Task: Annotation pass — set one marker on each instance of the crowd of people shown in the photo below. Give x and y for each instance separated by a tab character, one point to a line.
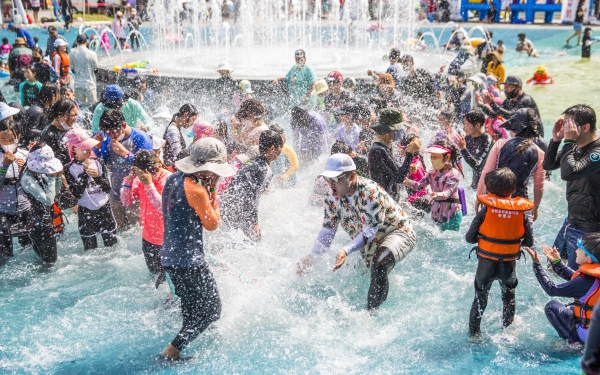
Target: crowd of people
113	171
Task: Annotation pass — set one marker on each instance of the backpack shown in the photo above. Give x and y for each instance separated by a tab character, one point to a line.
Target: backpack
23	60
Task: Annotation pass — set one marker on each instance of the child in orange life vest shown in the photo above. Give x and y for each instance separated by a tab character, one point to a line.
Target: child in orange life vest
444	180
500	228
540	76
572	322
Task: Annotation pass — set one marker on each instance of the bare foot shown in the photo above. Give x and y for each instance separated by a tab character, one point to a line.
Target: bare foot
171	352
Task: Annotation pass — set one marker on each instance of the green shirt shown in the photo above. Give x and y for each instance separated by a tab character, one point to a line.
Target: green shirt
132	111
298	82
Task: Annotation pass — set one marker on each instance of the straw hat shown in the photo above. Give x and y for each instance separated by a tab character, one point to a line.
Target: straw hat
320	87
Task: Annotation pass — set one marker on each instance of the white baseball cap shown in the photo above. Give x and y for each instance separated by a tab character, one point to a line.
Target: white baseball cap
59	42
338	164
6	111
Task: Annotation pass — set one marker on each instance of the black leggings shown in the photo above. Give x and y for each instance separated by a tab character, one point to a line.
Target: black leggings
90	243
200	302
381	264
487	271
44	242
152	256
13	225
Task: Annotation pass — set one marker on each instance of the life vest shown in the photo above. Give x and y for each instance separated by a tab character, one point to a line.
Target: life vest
540	77
503	227
65	63
58	220
583	307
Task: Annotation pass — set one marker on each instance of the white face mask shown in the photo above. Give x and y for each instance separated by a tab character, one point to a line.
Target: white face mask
247	123
10	148
65	126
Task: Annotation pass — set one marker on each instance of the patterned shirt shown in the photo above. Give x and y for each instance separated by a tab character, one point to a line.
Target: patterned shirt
369	206
445	183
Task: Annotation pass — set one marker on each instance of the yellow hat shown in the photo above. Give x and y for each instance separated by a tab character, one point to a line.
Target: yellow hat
541	69
320	87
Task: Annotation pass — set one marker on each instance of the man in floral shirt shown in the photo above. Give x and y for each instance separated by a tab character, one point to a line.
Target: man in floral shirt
374	221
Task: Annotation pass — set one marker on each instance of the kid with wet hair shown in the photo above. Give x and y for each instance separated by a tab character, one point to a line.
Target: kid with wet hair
500	228
571	321
87	177
444	180
30	88
145	184
286	165
175	142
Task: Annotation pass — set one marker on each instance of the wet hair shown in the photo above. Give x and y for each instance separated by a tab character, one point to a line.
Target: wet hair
453	155
300	118
378	103
111	119
38	50
475	116
237	147
148	161
447	114
361	111
10	125
501	182
48	91
250	107
64	90
221	128
269	139
133	94
186	109
340	147
277	129
591	241
60	108
521	35
31	68
500	42
5	40
490	33
582	114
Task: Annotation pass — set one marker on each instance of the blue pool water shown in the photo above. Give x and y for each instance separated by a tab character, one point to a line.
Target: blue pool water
97	312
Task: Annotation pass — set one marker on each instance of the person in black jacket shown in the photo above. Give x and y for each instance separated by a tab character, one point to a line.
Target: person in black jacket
64	113
38	114
579	163
515	100
383	169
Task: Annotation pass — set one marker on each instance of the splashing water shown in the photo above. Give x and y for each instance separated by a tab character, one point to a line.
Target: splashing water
98	312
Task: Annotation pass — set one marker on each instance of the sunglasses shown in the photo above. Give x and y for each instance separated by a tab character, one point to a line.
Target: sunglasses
334	179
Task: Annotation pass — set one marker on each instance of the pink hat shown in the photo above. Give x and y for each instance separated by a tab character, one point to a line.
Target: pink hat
80	139
203	129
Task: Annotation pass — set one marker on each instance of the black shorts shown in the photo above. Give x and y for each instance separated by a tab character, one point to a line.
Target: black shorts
35	9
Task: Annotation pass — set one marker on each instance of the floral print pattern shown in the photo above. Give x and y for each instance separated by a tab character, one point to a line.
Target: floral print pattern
370	206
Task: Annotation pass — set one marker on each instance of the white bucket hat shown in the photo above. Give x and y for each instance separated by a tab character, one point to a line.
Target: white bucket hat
6	111
225	66
206	154
338	164
43	161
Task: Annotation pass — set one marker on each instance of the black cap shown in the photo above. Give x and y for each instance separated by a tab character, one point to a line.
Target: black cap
513	80
81	39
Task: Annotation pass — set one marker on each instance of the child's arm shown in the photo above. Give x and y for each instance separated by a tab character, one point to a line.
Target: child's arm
129	191
78	184
418	185
490	165
473	233
21	96
572	289
290	154
102	180
450	187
